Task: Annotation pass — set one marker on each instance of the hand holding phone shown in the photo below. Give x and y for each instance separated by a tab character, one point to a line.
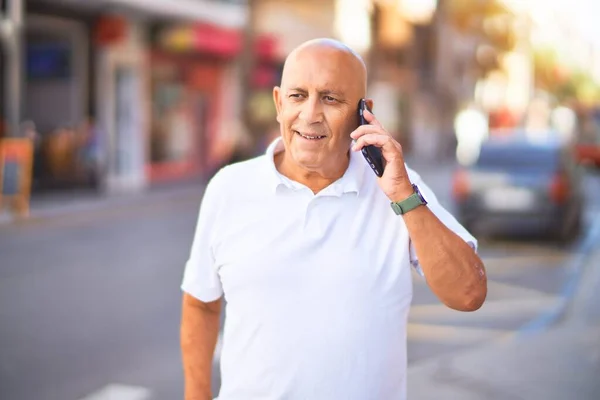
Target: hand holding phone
371	153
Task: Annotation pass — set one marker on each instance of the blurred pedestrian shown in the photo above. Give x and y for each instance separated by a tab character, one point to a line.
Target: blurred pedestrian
29	130
92	152
311	259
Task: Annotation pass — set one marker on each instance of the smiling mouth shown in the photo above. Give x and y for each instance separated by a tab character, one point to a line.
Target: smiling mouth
310	137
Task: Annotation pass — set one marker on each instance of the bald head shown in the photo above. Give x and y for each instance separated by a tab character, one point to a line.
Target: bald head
317	109
328	44
329	52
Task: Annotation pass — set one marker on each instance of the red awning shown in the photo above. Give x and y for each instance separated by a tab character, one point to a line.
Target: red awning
214	40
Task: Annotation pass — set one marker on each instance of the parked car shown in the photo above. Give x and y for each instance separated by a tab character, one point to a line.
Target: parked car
519	186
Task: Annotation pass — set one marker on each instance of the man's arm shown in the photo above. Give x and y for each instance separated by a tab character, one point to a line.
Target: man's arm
453	270
199	332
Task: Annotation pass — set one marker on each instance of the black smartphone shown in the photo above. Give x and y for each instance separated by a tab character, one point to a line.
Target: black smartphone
371	153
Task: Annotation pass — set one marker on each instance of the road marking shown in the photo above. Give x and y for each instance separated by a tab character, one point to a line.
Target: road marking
500	290
577	263
554	259
511	265
444	334
490	311
116	391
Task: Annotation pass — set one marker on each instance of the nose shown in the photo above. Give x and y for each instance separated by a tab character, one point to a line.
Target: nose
312	111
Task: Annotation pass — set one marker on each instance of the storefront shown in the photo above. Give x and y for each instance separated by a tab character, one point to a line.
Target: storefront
194	82
108	106
56	107
84	81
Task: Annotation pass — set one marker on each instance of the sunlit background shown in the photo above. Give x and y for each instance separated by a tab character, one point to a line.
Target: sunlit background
115	113
124	94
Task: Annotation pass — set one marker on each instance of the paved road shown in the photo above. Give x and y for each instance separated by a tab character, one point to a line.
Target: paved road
92	299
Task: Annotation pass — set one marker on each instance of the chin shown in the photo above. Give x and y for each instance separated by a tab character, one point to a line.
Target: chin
306	160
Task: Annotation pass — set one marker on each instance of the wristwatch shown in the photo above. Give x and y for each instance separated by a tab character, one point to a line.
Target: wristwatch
410	203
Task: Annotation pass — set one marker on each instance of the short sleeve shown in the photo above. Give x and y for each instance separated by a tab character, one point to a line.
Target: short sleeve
442	214
201	279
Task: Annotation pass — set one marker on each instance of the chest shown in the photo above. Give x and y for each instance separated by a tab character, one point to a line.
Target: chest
297	248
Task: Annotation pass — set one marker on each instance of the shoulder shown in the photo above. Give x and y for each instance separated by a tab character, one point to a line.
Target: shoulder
238	177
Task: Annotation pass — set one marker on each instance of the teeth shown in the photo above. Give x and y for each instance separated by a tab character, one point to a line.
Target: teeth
311	137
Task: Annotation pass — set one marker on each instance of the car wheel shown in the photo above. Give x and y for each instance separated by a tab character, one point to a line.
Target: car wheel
577	226
570	232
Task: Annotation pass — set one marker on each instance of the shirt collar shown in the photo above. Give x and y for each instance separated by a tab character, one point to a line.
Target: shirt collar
350	182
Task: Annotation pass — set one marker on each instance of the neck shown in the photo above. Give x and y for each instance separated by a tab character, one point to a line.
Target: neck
315	180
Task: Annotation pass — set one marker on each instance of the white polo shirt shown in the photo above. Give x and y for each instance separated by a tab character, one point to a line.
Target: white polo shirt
317	287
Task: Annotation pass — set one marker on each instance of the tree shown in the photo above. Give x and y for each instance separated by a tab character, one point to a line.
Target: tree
490	22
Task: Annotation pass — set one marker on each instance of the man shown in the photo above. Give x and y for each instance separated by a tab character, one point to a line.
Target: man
313	262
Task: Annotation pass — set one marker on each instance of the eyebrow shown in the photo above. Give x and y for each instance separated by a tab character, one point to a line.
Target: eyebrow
321	92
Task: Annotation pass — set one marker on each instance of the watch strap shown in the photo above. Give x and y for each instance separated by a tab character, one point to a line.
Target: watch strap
410	203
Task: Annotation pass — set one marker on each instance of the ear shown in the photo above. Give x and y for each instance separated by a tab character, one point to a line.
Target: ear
277	100
369	103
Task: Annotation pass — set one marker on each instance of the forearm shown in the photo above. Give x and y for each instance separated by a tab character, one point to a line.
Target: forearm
199	332
453	270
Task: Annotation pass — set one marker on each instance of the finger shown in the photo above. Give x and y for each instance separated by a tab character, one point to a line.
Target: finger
370	118
367	129
391	150
374	139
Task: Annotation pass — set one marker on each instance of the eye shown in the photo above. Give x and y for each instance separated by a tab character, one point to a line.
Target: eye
295	95
330	99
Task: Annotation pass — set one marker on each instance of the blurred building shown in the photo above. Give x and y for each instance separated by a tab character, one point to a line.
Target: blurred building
422	71
131	92
396	38
127	93
195	89
555	63
291	22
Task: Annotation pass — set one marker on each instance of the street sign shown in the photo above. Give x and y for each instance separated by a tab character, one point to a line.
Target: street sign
16	159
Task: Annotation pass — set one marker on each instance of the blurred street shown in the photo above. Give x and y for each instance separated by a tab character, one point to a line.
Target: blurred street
90	305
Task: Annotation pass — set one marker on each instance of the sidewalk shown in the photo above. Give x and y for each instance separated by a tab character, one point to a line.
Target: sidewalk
558	364
81	202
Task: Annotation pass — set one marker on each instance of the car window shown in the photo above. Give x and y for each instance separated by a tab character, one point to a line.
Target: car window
518	158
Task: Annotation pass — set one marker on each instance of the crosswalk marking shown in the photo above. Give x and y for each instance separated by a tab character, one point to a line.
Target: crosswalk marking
120	392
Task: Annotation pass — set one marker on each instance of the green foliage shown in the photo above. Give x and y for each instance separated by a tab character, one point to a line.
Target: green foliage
567	84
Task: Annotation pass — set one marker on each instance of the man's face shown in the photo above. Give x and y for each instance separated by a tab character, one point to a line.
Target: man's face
316	108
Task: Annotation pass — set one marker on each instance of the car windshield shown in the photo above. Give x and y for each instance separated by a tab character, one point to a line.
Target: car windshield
517	157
